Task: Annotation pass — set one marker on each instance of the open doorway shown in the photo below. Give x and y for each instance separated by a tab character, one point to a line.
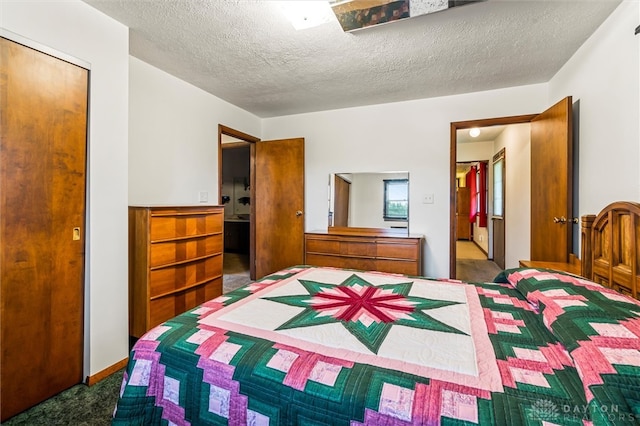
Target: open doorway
538	209
235	194
473	260
473	194
275	199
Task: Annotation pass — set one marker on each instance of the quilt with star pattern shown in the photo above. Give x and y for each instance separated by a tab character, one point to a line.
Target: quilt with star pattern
326	346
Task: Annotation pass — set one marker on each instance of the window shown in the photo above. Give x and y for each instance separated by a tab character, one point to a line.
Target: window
396	199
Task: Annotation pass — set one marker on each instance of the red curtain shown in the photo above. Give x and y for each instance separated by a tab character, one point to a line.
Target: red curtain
477	183
471	183
482	213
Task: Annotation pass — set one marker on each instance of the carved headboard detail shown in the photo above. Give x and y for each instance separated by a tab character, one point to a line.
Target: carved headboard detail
610	245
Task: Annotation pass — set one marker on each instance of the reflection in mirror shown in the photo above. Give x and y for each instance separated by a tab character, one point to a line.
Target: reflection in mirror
369	200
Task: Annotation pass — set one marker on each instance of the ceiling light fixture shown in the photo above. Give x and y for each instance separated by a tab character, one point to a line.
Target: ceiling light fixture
307	14
474	132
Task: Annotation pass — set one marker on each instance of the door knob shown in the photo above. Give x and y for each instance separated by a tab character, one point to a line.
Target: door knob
560	219
299	213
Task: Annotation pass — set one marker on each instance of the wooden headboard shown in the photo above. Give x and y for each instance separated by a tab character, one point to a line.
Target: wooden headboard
610	247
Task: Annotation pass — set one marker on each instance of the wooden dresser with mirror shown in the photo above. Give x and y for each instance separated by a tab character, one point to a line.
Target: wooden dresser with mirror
368	225
379	249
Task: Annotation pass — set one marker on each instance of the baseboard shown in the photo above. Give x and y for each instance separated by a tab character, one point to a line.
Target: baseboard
481	249
92	380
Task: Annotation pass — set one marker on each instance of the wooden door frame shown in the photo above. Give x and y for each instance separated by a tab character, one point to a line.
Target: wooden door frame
246	139
500	155
454	127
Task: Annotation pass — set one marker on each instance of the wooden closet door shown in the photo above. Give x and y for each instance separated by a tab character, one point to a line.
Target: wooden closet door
43	122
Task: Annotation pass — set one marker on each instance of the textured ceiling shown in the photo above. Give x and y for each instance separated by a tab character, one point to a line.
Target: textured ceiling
247	53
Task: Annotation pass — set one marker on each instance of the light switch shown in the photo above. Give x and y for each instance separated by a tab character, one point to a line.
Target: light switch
428	199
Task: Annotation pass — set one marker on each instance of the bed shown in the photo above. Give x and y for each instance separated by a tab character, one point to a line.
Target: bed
327	346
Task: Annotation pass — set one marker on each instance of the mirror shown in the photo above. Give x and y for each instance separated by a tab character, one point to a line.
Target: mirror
369	200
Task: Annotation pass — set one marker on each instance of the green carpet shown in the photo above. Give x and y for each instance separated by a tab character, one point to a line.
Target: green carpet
79	405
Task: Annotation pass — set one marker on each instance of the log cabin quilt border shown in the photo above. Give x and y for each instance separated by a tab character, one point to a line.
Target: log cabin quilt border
311	346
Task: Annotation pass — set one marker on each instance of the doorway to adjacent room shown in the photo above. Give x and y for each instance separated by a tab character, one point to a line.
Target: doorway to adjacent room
269	196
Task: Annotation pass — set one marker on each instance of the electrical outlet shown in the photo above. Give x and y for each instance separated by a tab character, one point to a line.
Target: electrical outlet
427	199
203	196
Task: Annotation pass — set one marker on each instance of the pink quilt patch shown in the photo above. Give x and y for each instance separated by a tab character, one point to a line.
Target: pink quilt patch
612	330
529	377
396	401
282	360
459	406
325	373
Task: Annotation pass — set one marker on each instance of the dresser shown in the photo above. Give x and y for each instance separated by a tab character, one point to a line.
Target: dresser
378	249
175	261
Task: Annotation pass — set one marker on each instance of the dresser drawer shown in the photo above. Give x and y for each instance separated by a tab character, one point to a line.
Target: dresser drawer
175	251
406	267
397	250
322	246
367	264
168	279
358	248
168	226
167	307
345	247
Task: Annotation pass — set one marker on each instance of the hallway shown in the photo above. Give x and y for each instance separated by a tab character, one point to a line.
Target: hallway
472	264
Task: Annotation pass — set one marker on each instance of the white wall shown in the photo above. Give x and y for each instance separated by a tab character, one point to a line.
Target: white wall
412	136
603	77
516	139
474	151
173	137
76	29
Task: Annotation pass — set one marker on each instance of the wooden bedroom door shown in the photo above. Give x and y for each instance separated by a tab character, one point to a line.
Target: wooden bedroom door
43	121
551	183
342	190
278	180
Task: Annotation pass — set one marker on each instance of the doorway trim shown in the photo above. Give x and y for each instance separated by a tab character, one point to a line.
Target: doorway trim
44	49
500	156
454	127
245	139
